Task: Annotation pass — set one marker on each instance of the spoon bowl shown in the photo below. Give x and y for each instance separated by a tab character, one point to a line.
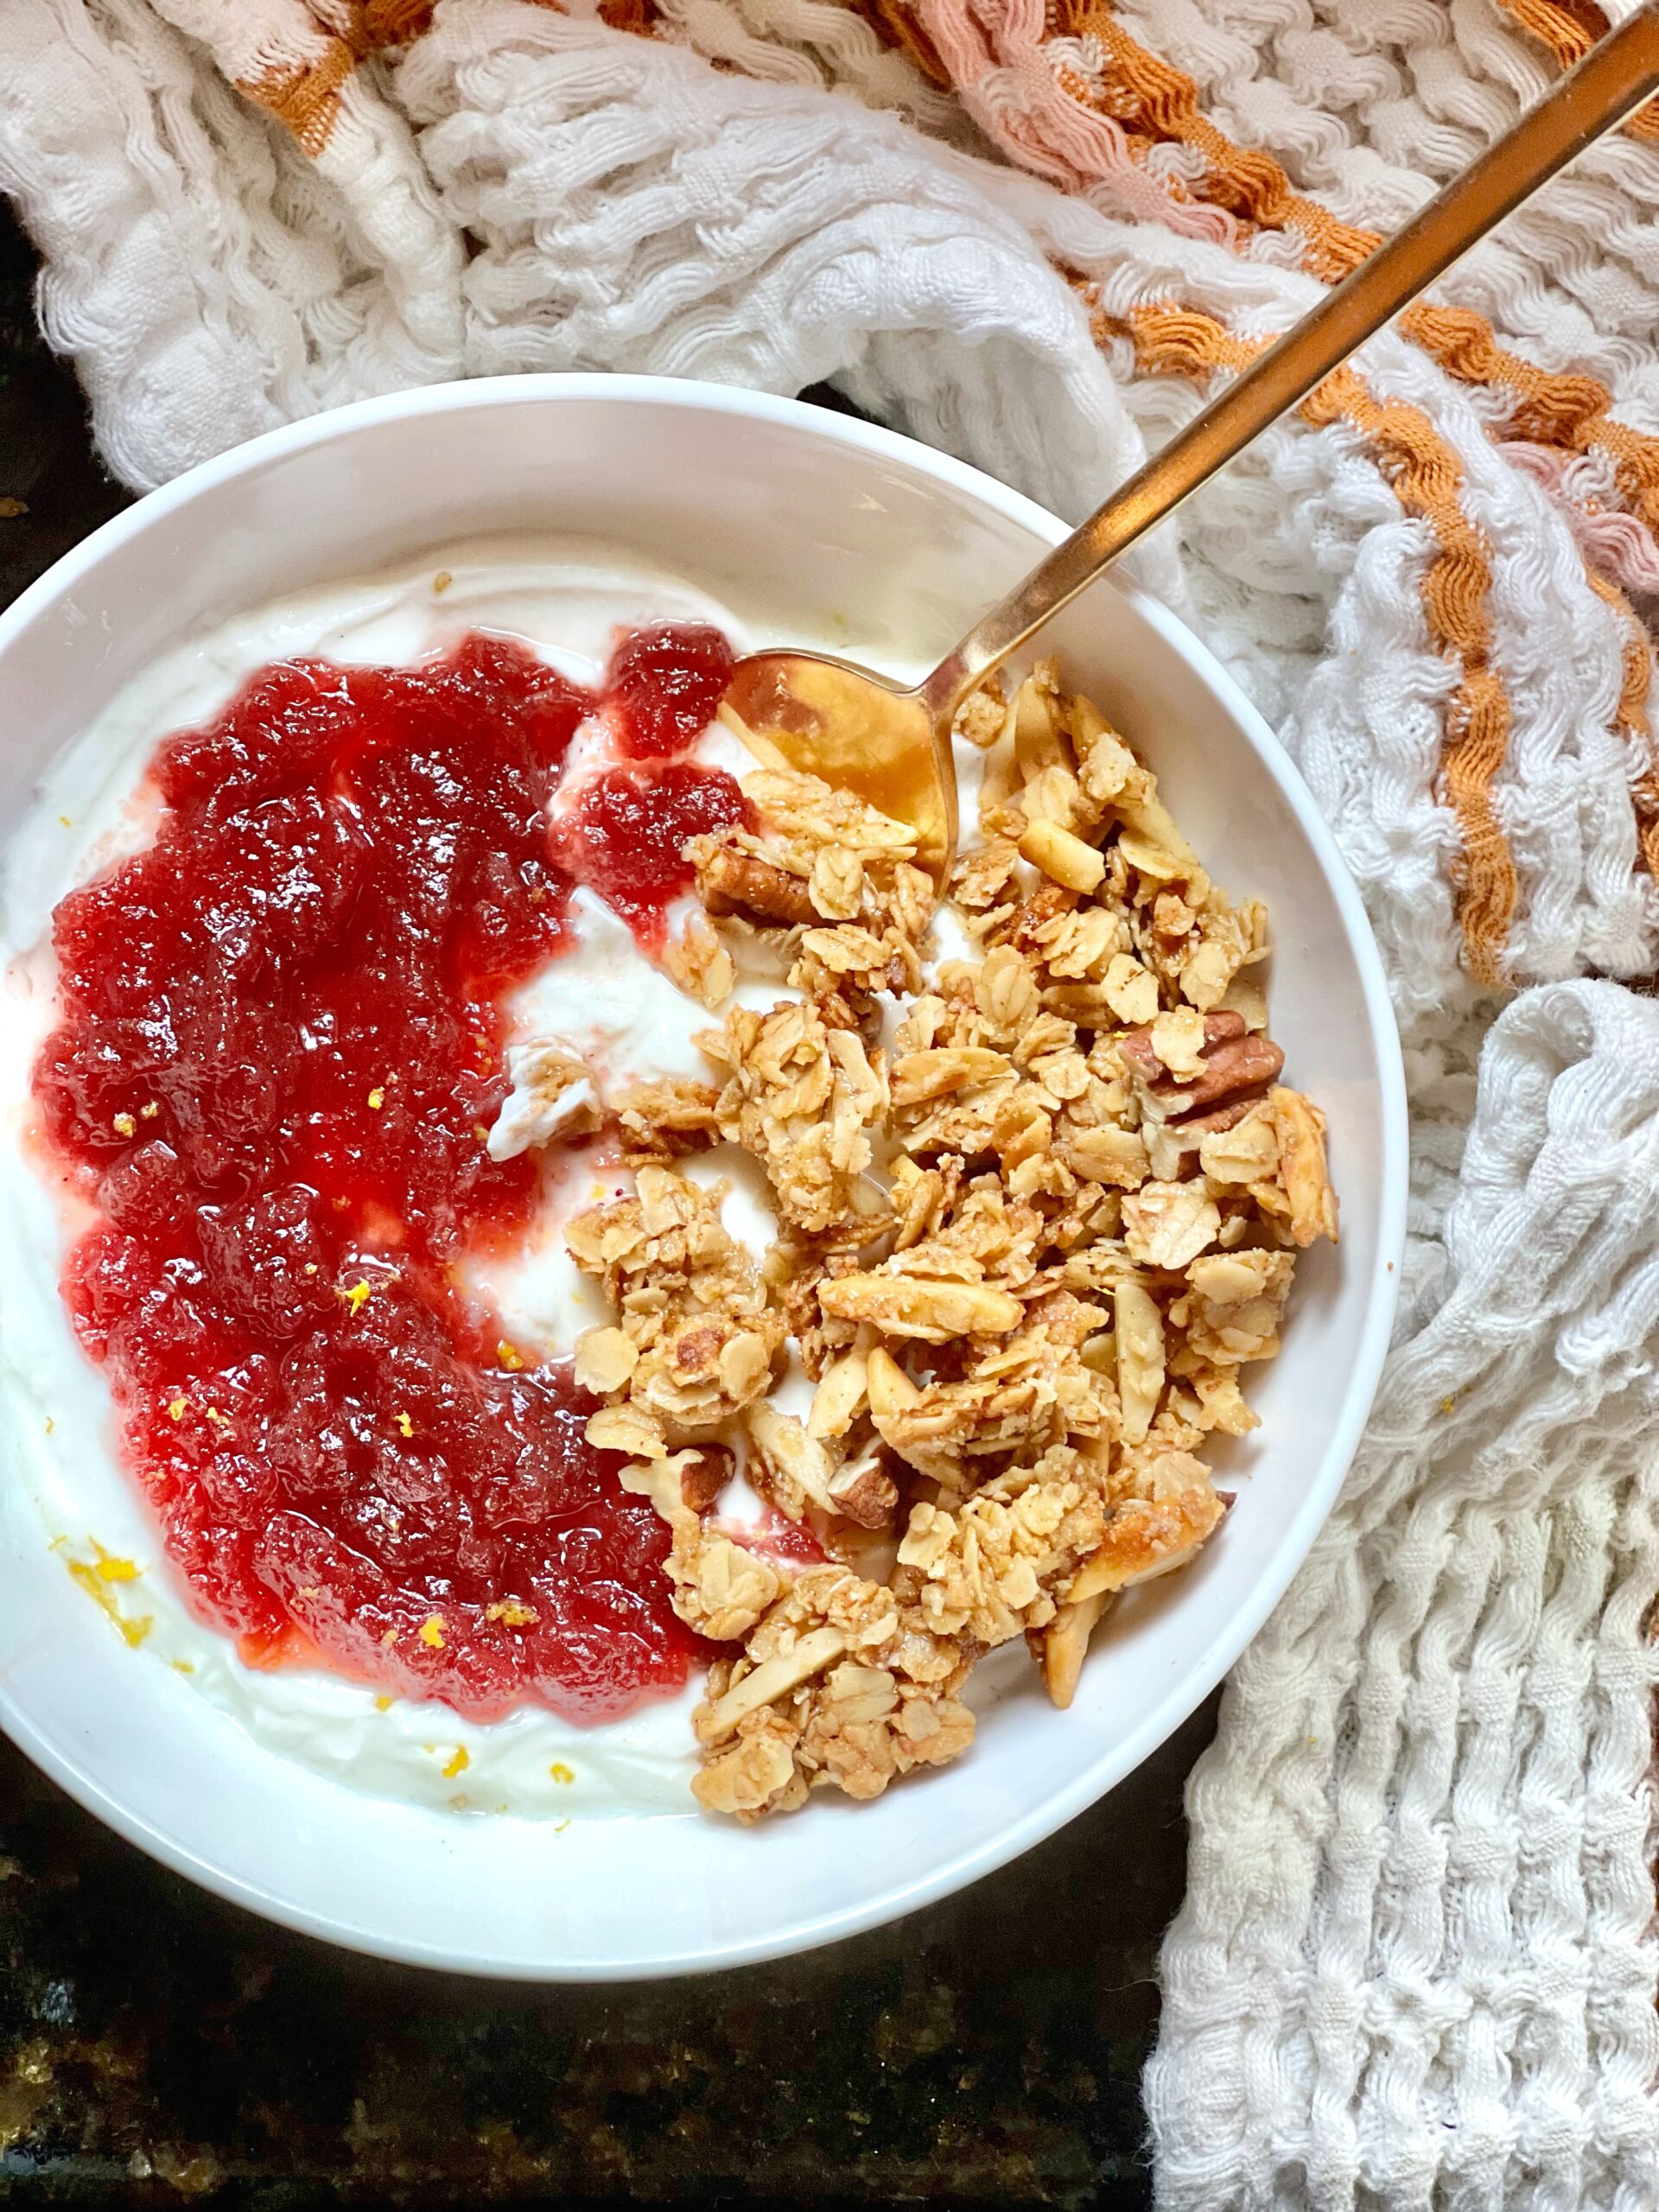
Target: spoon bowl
858	731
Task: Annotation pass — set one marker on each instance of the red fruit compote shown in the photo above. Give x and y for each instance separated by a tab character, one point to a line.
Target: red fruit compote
275	1065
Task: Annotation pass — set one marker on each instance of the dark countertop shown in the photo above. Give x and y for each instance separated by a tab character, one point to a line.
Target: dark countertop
155	2044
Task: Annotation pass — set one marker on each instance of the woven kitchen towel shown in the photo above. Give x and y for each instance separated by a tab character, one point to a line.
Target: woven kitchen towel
1415	1965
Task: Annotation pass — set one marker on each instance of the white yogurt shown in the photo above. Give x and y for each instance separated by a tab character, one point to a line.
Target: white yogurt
566	600
633	1019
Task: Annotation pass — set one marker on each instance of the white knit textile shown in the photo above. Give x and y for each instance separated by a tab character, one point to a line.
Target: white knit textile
1417	1946
1415	1965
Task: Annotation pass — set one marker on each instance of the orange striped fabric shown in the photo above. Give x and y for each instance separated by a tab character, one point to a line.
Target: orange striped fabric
306	98
1635	719
1155	104
1569	29
1425	474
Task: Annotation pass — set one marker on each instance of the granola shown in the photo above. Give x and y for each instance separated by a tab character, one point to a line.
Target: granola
1038	1207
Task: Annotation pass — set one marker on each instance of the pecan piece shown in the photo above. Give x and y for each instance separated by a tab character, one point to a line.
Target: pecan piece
1233	1062
1238	1063
1220	1119
704	1472
1139	1050
738	883
862	1492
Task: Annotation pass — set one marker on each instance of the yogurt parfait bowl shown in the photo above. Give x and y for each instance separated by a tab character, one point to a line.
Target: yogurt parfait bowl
573	1328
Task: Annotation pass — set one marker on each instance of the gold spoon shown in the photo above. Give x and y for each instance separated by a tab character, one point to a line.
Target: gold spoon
890	742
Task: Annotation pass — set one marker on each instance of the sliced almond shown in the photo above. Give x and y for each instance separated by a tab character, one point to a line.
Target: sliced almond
626	1428
839	1397
1065	1644
1147	1537
935	1073
796	1455
891	1390
1131	990
1037	741
772	1678
1062	858
1152	824
1300	1127
745	1364
1106	1155
604	1359
1139	1328
915	1305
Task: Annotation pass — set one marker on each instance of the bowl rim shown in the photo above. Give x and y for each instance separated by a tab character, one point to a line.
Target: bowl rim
1189	1690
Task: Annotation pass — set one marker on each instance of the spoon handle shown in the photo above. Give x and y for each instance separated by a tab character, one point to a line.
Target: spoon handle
1614	78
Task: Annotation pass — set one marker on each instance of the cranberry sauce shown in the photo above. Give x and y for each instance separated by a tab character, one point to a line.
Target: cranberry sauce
624	831
663	684
274	1074
625	835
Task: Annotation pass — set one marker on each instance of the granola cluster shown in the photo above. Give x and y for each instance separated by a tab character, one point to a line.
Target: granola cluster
1039	1206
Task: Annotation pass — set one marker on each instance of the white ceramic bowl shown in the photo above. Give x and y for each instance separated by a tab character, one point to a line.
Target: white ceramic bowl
784	512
